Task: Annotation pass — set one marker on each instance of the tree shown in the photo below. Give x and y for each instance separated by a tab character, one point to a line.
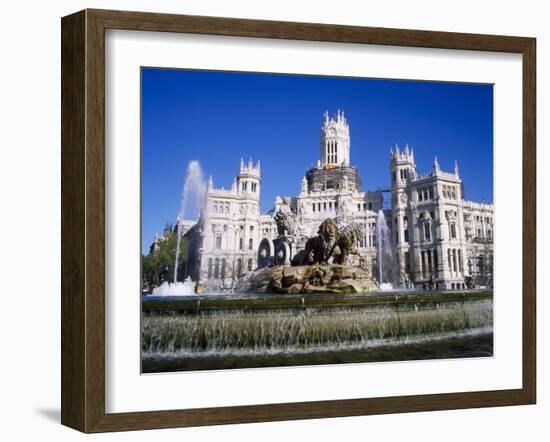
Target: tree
158	265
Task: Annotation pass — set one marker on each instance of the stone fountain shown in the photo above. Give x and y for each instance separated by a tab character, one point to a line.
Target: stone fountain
324	265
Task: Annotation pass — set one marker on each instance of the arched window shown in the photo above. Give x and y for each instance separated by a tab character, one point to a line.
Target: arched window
223	268
250	244
216	268
455	267
209	268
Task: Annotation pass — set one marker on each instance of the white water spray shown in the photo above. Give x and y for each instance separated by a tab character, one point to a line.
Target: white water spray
385	253
184	288
192	196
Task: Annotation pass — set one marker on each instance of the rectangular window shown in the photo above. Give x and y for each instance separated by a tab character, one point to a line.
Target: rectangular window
240	243
427	233
406	235
453	230
250	244
218	242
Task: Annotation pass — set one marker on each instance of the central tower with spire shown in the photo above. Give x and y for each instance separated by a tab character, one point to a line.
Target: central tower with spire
333	171
335	140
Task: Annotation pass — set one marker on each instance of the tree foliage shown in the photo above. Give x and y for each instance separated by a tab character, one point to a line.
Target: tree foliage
158	265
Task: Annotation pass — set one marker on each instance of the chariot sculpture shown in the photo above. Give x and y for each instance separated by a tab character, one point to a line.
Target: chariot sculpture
330	242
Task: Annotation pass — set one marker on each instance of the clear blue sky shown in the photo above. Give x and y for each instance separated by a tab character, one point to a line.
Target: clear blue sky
219	117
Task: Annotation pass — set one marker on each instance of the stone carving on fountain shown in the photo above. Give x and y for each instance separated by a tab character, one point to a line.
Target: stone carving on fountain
285	218
319	249
346	242
326	263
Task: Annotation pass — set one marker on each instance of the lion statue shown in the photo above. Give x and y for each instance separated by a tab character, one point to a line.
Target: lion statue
319	248
347	239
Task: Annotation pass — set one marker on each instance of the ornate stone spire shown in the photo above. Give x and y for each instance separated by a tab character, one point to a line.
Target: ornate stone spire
437	169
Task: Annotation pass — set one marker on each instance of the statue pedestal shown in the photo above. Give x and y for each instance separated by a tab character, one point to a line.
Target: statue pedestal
330	278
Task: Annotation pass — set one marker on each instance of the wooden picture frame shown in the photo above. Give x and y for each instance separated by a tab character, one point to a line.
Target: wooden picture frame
83	220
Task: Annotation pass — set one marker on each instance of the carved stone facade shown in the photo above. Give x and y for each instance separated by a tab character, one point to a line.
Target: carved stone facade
439	239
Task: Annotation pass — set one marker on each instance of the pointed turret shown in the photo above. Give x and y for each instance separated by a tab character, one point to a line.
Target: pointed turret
436	167
335	140
402	166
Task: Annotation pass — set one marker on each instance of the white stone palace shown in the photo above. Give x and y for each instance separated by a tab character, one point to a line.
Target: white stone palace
439	240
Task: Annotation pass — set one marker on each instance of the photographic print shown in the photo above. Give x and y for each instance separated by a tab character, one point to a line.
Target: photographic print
303	220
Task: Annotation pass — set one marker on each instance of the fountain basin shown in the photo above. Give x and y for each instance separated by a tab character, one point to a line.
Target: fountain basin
242	331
